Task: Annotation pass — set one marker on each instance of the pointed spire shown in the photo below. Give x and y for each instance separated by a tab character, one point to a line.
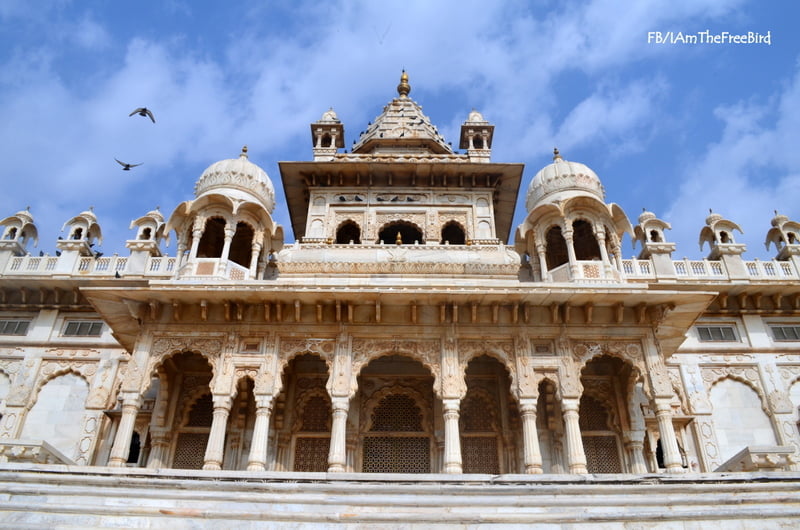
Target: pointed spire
244	152
556	154
403	88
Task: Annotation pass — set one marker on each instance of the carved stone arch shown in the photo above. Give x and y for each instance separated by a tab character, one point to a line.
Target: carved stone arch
155	362
45	378
301	403
474	349
741	379
348	230
483	394
284	360
366	351
242	375
190	401
629	353
375	399
607	401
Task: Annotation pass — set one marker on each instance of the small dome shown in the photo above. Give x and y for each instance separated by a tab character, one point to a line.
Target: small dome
329	116
646	216
238	178
713	218
562	180
475	117
777	221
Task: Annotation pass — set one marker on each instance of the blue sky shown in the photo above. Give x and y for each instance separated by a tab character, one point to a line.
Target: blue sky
674	128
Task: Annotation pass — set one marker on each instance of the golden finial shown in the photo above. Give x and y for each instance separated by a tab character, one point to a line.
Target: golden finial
556	154
244	152
403	88
399	238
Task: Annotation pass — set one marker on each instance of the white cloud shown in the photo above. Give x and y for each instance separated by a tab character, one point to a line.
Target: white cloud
745	176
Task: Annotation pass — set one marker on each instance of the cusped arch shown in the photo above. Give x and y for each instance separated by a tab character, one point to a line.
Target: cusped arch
499	355
362	362
740	379
46	378
420	401
286	359
301	403
156	363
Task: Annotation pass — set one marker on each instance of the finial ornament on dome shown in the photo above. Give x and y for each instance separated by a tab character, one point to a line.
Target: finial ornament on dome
403	88
556	154
244	152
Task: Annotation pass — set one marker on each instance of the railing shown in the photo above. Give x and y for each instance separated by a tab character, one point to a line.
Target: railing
160	266
585	272
687	268
637	268
769	270
31	264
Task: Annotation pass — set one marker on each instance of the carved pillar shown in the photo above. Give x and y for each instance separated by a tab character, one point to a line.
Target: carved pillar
576	458
257	460
634	445
601	243
337	457
216	438
197	233
159	444
131	401
255	251
226	245
573	260
669	442
530	436
541	252
452	440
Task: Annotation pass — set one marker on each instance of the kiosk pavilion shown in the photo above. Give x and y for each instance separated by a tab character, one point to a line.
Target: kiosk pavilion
399	335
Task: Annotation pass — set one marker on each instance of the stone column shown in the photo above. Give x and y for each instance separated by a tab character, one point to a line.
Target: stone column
542	253
573	260
601	243
530	436
159	443
576	458
197	233
216	438
634	445
258	446
452	438
337	457
669	442
226	245
131	401
254	253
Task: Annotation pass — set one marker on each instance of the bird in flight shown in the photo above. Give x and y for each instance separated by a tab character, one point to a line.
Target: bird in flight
126	167
143	111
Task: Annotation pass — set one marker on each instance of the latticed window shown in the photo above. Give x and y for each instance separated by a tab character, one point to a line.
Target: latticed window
392	454
201	413
599	442
311	454
479	451
395	451
397	412
190	450
477	415
316	415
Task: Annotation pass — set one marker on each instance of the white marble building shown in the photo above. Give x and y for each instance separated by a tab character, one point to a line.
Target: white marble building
400	333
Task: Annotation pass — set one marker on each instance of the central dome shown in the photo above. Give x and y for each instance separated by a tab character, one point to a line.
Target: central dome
562	180
237	178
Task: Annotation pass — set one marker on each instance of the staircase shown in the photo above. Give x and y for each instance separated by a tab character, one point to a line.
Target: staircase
58	496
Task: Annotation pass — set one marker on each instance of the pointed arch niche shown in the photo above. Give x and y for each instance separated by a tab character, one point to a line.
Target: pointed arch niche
302	417
57	415
488	419
739	419
395	406
409	233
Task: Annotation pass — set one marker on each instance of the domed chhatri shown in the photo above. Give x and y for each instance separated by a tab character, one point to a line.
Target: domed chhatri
237	178
562	180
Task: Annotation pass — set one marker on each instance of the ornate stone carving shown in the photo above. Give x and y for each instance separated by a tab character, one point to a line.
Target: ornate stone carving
426	351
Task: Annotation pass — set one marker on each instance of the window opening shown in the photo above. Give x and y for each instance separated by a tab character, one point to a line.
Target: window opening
213	239
717	333
242	245
402	231
83	328
786	333
556	248
14	327
586	247
348	232
453	234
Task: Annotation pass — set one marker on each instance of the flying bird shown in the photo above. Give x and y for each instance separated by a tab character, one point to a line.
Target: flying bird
126	167
143	111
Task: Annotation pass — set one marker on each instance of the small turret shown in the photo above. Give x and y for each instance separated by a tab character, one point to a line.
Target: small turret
718	233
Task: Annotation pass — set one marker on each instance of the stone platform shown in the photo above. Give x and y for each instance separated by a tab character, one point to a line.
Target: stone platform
57	496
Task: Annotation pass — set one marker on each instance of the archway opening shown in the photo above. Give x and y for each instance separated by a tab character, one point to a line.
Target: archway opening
242	244
213	239
347	233
556	252
400	232
585	242
453	234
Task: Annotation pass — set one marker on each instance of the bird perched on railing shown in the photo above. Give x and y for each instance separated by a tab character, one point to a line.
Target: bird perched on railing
143	111
126	167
